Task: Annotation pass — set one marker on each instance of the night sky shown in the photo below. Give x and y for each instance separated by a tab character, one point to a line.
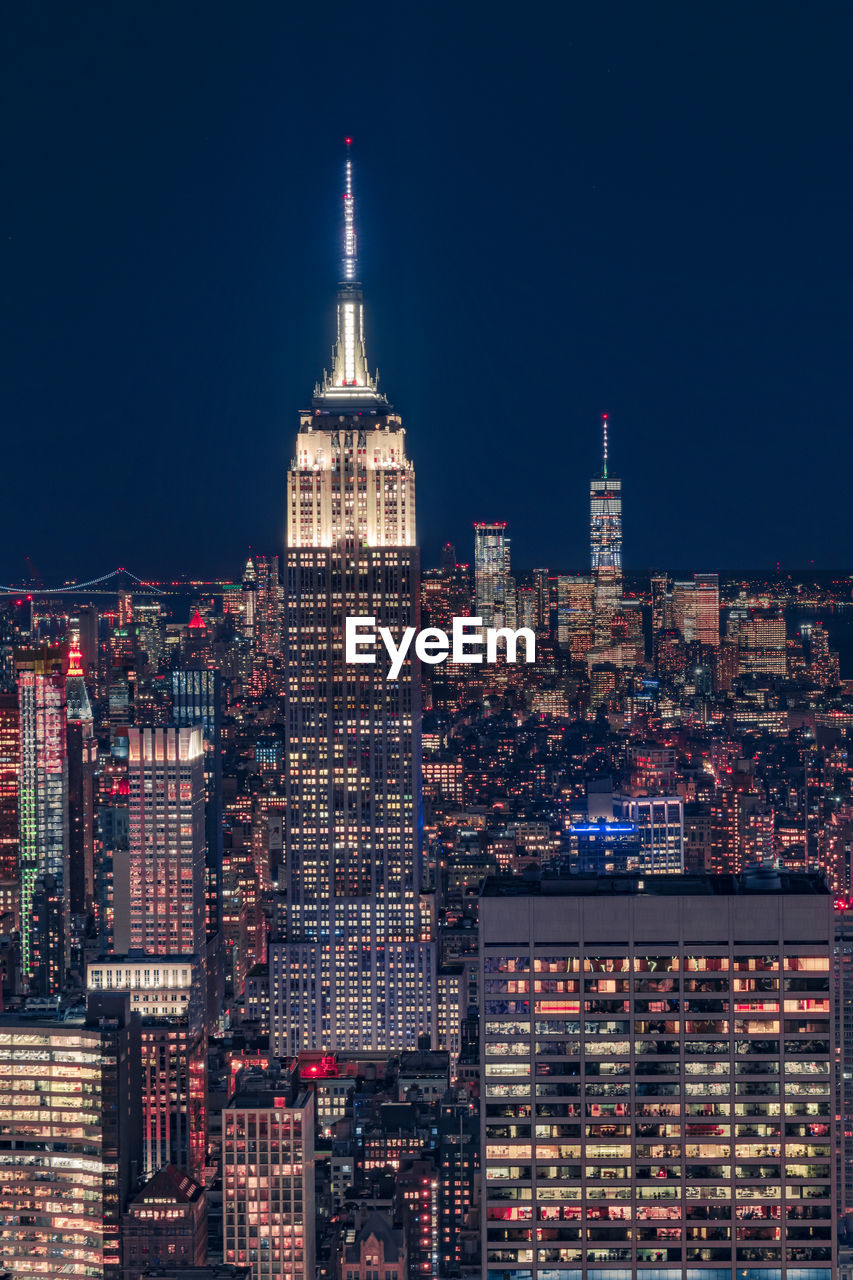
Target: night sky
639	208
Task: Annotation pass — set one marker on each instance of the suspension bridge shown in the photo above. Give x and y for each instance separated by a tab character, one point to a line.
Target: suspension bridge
107	584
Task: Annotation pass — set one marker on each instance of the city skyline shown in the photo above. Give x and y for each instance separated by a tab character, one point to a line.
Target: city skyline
526	954
684	278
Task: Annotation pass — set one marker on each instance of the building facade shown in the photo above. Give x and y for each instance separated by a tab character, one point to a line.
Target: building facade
355	969
69	1140
605	543
657	1071
494	588
42	793
165	1224
167	993
268	1181
167	845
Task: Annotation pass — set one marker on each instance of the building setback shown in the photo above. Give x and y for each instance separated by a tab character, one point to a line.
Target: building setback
356	967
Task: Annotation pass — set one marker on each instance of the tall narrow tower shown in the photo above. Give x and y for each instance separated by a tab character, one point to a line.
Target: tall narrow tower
42	799
494	588
355	969
605	539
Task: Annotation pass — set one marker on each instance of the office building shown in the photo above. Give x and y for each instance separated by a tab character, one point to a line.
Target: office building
167	846
657	1065
605	539
494	586
197	700
42	795
168	994
356	967
575	615
694	609
268	1179
69	1139
843	1011
659	821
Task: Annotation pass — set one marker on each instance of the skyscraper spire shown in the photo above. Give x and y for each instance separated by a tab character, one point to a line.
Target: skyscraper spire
604	443
350	383
78	707
350	259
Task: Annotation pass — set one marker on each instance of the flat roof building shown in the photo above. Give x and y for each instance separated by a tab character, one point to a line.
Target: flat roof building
657	1066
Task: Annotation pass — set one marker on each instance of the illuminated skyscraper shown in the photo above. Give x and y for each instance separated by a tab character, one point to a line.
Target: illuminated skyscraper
575	613
197	700
42	786
605	538
69	1140
82	758
167	922
9	766
356	968
494	587
695	608
168	993
167	871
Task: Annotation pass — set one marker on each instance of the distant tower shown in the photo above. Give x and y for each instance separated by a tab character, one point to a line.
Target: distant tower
82	756
605	538
494	586
249	598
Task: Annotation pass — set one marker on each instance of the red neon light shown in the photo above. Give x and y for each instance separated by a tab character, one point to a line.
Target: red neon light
75	660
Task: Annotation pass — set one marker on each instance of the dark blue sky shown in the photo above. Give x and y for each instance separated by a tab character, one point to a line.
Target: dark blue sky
643	208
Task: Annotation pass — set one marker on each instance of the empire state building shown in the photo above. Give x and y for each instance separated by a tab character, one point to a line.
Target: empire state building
355	968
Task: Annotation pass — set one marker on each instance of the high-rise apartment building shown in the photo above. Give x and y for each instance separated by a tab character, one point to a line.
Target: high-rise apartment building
69	1140
657	1069
356	967
10	759
494	586
605	540
167	845
82	751
268	1179
42	790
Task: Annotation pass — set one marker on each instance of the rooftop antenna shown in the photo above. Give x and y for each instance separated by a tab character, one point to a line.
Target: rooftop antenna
604	442
350	259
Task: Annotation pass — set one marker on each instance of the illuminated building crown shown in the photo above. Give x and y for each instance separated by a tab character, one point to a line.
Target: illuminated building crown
350	385
79	708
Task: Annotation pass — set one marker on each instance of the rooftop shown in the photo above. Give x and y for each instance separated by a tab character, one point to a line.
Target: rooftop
169	1185
759	881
